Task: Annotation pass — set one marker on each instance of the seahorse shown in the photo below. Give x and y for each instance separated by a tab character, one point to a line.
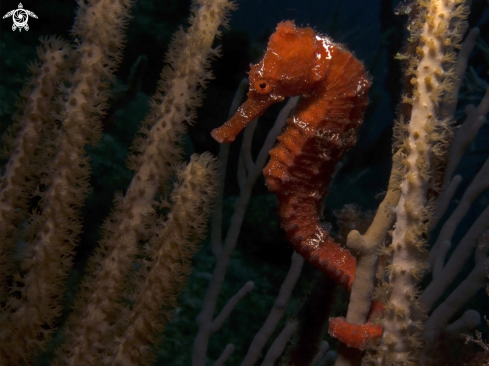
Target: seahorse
334	88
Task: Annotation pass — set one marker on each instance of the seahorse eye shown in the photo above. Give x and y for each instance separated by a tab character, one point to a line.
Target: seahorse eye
262	86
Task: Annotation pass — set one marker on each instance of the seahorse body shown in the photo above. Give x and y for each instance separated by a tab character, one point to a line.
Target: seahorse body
334	88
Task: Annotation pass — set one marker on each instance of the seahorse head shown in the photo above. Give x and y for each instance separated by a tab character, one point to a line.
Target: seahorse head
295	63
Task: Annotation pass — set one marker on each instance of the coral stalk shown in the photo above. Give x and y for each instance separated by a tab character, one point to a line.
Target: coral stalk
55	226
154	163
438	26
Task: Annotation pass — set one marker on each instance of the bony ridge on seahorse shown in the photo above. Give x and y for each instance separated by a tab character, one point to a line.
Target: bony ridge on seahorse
334	87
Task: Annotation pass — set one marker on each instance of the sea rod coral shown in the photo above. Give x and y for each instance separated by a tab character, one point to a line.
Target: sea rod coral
62	114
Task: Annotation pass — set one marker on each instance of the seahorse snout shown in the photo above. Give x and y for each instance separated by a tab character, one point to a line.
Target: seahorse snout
255	106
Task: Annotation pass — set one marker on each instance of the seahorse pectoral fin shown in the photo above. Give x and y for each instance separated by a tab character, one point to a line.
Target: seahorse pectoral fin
247	112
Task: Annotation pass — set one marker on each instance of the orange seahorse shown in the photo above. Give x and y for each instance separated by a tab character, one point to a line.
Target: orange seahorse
334	88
